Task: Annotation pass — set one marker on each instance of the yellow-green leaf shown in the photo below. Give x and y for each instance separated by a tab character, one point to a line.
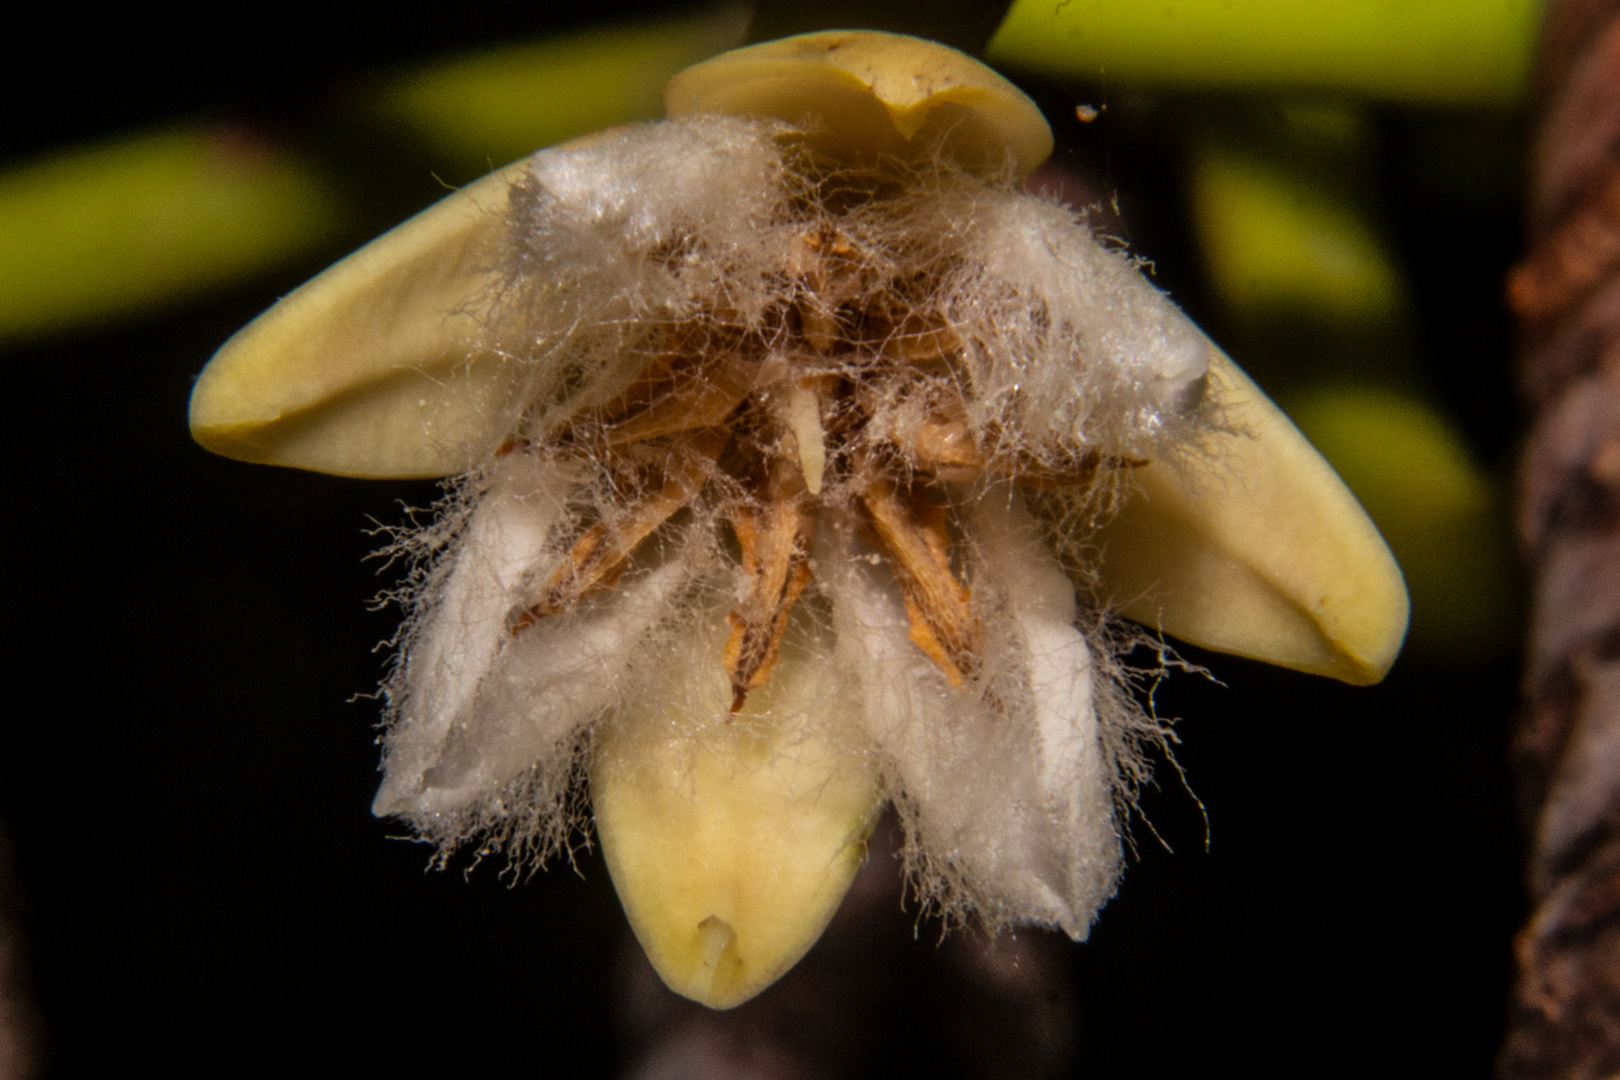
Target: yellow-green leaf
491	107
1431	51
135	223
1277	243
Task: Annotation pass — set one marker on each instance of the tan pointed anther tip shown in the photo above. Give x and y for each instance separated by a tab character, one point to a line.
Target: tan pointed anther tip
731	842
865	94
1259	550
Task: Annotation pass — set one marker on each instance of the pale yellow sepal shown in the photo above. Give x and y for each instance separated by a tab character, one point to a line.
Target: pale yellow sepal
370	368
732	840
1260	550
373	368
864	94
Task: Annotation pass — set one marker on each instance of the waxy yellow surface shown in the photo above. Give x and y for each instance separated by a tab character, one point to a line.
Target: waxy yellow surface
370	368
1258	550
732	840
864	94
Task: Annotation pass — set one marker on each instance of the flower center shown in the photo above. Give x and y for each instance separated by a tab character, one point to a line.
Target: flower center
850	398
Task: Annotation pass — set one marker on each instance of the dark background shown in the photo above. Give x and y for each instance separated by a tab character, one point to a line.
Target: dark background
186	771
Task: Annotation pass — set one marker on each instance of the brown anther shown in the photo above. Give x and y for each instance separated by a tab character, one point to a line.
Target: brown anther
775	540
919	341
912	533
510	445
598	557
929	432
819	326
946	450
827	264
774	561
702	398
695	381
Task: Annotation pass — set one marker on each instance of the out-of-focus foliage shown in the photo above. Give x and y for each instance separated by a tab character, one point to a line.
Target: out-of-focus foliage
1428	51
98	232
1295	255
484	110
1277	242
95	232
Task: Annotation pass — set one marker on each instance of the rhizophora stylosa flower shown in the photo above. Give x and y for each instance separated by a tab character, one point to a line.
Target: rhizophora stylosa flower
801	464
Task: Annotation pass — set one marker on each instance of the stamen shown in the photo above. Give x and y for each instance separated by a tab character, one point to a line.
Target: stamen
804	419
945	448
775	541
598	556
940	607
705	402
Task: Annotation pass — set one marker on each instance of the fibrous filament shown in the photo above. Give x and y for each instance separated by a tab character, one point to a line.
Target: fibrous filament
844	399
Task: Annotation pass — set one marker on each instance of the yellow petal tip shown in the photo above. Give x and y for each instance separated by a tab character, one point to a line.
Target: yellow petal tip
864	94
371	368
1262	553
732	840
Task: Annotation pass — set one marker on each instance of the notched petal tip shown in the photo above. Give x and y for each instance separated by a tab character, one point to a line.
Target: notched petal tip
731	845
1261	552
865	93
369	369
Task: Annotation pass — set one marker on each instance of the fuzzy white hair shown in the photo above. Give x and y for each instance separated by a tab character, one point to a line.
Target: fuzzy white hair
1013	787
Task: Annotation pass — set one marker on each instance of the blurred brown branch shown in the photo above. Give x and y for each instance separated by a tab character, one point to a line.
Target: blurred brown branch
1566	1012
21	1042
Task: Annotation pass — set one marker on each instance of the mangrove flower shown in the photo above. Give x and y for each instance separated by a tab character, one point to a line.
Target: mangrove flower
801	463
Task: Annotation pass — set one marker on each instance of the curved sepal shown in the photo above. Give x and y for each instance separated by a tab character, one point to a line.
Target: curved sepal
865	93
731	841
371	368
1258	550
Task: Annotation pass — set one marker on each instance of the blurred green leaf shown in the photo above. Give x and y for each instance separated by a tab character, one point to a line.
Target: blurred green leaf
90	234
1434	51
1277	241
490	108
96	232
1282	204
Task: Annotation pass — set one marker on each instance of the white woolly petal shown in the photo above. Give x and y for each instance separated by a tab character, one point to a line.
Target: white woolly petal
464	614
1068	327
546	685
611	239
480	706
1074	780
1007	780
650	224
1097	293
655	178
